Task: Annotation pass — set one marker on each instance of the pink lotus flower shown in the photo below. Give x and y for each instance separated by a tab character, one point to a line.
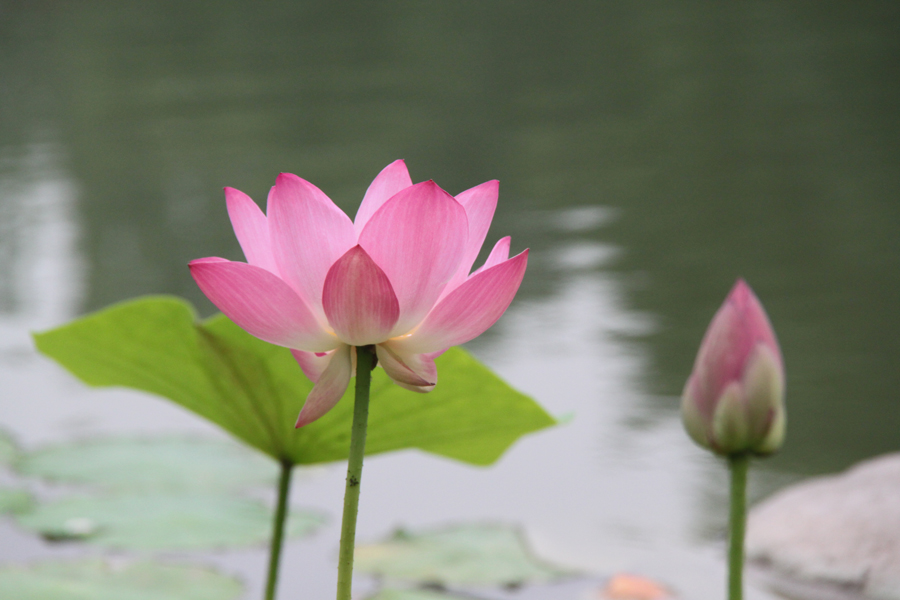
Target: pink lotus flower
397	277
734	399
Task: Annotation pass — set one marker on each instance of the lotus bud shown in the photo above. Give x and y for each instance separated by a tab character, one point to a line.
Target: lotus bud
733	401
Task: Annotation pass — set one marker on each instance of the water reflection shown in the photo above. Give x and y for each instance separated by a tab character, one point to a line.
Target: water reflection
649	153
41	271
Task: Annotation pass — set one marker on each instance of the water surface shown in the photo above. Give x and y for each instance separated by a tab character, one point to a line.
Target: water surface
648	154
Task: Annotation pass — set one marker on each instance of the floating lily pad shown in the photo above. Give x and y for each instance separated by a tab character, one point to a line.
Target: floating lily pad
152	464
163	521
15	501
108	580
9	449
395	594
255	390
463	555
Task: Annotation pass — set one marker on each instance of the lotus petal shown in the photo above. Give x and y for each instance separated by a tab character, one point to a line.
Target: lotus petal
469	309
261	304
308	233
358	299
417	238
329	388
391	180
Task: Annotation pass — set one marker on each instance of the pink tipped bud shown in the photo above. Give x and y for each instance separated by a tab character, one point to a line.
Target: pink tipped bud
733	401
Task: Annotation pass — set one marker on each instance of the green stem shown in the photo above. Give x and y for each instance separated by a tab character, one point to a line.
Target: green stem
365	356
738	464
281	510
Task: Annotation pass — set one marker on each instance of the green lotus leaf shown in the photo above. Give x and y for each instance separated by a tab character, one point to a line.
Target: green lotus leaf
114	580
9	449
151	464
414	594
160	521
465	555
15	501
255	390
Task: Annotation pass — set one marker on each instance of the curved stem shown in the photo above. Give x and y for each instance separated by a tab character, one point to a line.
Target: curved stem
365	356
738	464
281	510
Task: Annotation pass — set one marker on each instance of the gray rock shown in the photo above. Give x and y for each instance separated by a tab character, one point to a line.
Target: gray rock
840	533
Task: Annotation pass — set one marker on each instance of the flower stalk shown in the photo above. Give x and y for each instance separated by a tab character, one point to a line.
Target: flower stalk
281	511
733	403
365	356
738	464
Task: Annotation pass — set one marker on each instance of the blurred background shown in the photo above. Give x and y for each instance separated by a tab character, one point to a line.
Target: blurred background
649	154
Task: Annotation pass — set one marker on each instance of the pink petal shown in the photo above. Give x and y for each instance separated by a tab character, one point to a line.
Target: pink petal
251	229
391	180
499	254
468	310
312	363
309	233
415	370
754	317
358	299
737	328
261	304
417	238
480	203
328	390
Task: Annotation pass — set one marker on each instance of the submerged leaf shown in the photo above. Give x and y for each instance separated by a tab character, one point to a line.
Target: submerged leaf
9	450
163	521
108	580
151	464
15	501
255	390
462	555
396	594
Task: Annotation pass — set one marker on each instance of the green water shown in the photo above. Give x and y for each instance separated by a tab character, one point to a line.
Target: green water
754	139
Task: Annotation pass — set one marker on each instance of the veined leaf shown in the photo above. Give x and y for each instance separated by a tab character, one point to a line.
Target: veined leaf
9	450
255	390
160	521
153	464
15	501
462	555
96	579
415	594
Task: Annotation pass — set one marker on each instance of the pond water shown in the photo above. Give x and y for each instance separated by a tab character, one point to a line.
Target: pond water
648	154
